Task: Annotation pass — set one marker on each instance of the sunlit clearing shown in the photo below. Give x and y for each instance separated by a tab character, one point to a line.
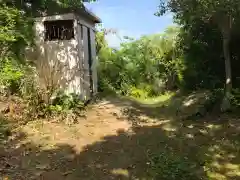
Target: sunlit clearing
190	136
230	169
217	156
235	168
216	165
156	100
203	131
214	148
168	127
189	102
216	176
190	126
213	127
231	156
122	172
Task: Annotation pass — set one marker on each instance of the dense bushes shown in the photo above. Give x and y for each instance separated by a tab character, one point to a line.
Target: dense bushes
189	57
14	37
144	67
11	75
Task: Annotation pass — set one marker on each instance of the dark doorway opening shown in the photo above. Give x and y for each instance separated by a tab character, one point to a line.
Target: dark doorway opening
90	60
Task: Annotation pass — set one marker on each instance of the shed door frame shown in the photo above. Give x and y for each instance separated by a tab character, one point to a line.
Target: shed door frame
90	55
90	61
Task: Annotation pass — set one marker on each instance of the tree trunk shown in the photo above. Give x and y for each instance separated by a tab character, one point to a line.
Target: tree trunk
227	65
226	33
226	105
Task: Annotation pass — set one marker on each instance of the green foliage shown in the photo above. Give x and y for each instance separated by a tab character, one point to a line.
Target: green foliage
11	75
67	101
235	97
15	35
15	32
40	7
222	18
147	66
138	93
65	107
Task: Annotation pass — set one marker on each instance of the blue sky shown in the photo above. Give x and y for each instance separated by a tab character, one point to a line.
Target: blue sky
129	18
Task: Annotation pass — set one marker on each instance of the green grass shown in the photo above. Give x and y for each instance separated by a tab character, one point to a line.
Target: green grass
161	99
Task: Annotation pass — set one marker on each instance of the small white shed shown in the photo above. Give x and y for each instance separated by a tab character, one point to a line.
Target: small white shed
66	51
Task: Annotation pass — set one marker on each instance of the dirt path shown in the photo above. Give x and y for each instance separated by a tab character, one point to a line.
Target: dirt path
109	144
42	149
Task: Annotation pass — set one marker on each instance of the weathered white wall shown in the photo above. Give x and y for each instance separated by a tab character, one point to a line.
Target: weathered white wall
64	63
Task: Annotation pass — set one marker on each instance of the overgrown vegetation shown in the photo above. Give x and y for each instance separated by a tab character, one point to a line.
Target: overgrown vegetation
19	76
199	53
142	68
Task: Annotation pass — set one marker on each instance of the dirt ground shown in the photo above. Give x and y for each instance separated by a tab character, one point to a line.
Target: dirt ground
115	141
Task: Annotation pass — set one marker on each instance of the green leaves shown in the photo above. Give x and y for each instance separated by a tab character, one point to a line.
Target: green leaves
11	75
150	61
43	7
15	31
204	9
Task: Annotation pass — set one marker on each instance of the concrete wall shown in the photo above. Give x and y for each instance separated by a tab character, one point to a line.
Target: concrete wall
64	63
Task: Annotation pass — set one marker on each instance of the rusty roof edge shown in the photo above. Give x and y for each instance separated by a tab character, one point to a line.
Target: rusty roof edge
87	12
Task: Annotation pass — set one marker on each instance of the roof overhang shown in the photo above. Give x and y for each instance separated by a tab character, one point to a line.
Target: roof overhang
84	11
79	11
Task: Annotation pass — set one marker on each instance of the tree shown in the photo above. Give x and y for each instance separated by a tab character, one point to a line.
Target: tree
221	12
43	7
149	63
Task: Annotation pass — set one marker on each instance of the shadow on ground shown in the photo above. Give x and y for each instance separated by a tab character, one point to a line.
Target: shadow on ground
172	149
178	107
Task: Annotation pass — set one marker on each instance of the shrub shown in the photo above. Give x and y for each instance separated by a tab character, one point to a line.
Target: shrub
138	93
235	98
67	101
11	75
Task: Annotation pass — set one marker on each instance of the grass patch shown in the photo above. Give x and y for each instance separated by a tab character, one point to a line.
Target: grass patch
161	99
167	166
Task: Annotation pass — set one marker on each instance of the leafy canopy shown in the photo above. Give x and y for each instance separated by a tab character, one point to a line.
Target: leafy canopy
205	9
41	7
